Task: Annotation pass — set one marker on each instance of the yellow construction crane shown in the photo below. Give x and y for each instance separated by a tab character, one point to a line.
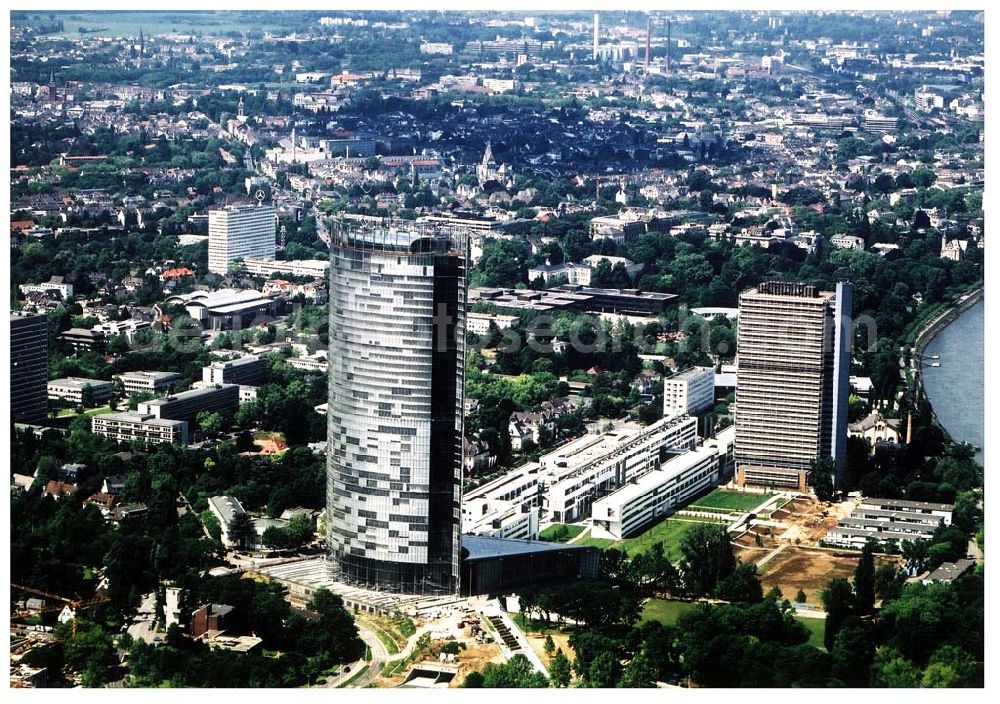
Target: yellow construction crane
73	604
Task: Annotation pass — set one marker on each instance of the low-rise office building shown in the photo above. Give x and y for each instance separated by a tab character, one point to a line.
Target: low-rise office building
224	398
660	492
249	371
889	521
125	427
479	323
318	268
229	512
581	471
72	389
148	382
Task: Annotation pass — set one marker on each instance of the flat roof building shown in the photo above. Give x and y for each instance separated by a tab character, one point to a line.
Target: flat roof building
660	492
689	392
224	398
73	388
150	382
248	371
125	427
794	347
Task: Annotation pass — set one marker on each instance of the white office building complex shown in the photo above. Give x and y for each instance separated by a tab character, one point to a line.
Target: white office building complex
73	388
689	393
581	471
395	412
238	232
318	268
507	507
660	492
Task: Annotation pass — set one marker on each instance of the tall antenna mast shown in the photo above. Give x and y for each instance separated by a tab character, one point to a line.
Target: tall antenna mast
649	30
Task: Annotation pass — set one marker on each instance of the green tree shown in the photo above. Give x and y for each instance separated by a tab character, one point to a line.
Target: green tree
604	671
210	422
706	558
559	669
852	654
864	581
891	669
639	673
517	672
838	601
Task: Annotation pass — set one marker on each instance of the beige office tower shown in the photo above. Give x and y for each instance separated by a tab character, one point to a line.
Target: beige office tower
792	382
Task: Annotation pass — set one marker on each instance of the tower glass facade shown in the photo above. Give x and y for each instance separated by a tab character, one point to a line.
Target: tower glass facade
395	413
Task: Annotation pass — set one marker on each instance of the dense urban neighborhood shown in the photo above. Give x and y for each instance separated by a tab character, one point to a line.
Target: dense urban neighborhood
481	349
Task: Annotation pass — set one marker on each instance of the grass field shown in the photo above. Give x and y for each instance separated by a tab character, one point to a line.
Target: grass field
731	500
552	531
90	412
816	627
666	611
669	532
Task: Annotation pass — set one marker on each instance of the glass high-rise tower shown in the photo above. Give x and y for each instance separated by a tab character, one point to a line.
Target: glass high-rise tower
395	413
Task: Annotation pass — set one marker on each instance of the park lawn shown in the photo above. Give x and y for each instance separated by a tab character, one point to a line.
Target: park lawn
666	611
669	531
816	626
731	500
571	532
99	411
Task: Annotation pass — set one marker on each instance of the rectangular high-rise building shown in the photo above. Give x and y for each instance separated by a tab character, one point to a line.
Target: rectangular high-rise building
240	231
29	367
395	412
793	375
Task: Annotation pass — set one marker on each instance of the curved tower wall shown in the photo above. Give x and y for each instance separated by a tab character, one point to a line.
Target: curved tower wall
395	415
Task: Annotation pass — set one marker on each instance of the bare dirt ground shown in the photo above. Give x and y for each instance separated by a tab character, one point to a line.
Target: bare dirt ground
474	657
561	640
810	569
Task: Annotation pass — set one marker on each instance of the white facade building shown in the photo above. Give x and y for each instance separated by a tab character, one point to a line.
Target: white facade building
239	232
660	492
577	473
72	388
689	392
125	427
295	267
152	382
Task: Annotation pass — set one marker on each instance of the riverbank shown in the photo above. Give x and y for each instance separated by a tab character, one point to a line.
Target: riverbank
962	417
943	319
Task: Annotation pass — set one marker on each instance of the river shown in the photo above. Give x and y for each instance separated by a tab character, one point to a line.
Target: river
955	389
